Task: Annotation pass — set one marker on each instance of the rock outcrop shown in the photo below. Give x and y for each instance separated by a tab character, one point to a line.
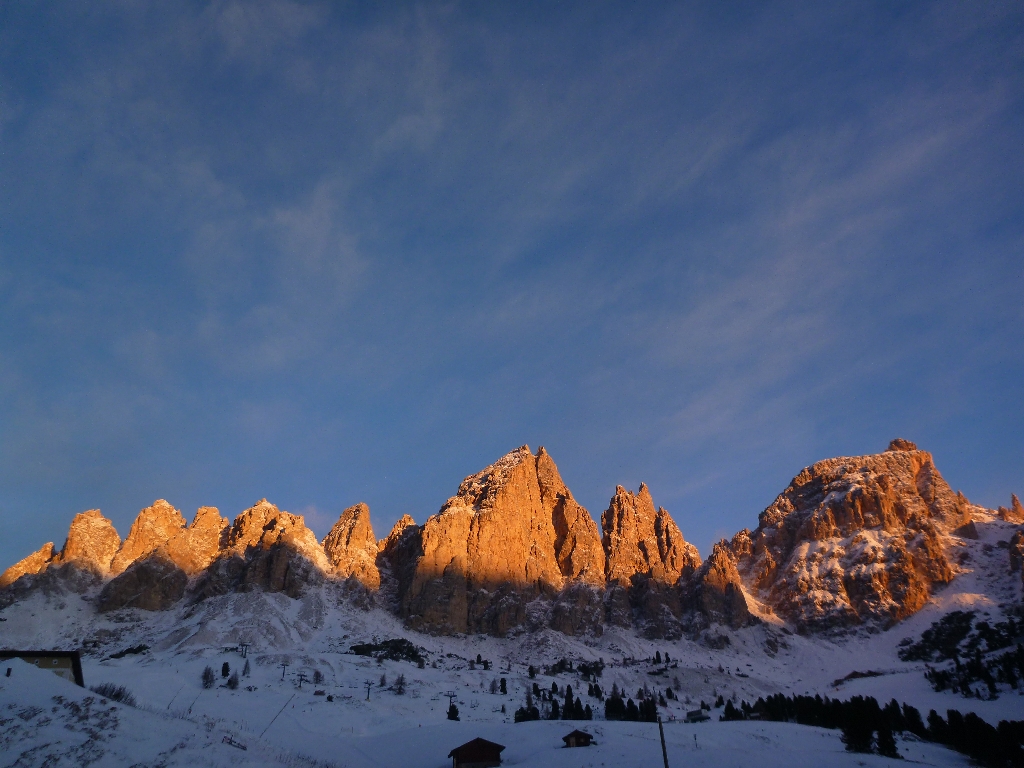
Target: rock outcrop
641	542
266	549
512	533
29	566
153	583
154	526
192	549
715	590
91	544
854	539
1015	514
351	547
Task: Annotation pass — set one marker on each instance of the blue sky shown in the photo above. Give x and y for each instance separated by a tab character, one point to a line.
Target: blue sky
326	253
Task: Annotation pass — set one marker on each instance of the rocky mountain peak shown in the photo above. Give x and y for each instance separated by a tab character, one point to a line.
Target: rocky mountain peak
716	591
153	527
91	544
512	531
351	547
854	538
641	541
30	565
192	549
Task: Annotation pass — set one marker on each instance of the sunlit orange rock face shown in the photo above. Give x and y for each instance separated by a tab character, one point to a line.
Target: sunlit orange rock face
512	532
92	543
351	547
641	541
28	566
854	539
153	527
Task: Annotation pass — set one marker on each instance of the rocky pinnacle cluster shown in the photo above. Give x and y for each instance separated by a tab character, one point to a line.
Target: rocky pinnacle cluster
851	540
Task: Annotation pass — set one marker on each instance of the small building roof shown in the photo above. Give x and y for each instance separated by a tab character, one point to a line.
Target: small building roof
476	747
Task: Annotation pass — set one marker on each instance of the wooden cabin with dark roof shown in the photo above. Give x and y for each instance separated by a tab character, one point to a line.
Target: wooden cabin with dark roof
578	739
478	753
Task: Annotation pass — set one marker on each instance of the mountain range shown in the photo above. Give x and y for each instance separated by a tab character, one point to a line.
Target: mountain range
851	542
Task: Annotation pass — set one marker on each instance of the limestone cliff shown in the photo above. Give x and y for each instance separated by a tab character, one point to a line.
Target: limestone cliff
91	544
511	533
153	527
351	548
192	549
641	542
854	539
29	566
267	549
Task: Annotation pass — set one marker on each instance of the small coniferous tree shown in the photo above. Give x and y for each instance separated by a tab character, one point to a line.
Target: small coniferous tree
479	659
225	669
555	713
208	677
661	700
857	734
657	657
453	712
554	688
472	664
536	690
245	669
383	680
531	672
494	686
588	713
667	659
400	685
886	743
233	681
503	685
318	677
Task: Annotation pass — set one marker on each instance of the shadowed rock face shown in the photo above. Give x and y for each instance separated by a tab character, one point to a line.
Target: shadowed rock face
153	527
715	590
351	547
92	543
152	584
853	539
511	533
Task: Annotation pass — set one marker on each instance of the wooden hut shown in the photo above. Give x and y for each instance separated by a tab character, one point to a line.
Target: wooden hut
578	739
478	753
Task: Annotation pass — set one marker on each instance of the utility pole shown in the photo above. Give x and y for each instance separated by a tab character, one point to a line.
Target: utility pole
664	752
284	668
369	685
302	679
451	697
244	648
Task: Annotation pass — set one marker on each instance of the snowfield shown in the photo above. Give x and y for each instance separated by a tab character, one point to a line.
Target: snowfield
45	720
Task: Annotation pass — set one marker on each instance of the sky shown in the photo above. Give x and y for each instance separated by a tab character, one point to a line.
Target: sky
326	253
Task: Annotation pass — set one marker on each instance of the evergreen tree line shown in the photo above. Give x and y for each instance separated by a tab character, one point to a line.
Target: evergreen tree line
617	709
1007	668
861	718
571	708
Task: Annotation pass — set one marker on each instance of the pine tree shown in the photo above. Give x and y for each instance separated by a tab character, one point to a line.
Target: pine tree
531	672
494	686
208	677
887	744
503	685
453	712
400	685
318	676
657	657
233	681
554	710
225	669
383	680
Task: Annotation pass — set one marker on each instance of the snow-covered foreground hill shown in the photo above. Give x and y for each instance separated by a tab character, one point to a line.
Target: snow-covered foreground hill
47	721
